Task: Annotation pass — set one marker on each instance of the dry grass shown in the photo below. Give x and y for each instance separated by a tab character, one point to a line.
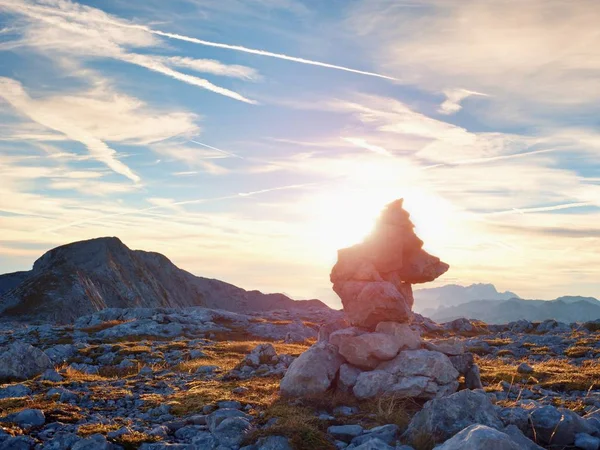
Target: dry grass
227	355
135	349
53	410
134	439
497	342
97	428
578	351
298	424
261	392
555	374
103	326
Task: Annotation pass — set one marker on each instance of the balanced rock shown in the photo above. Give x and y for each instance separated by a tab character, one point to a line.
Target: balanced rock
374	278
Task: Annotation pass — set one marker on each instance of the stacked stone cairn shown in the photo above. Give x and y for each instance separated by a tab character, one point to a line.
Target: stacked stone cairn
382	352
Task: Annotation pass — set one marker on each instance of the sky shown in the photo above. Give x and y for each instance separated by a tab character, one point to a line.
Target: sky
248	140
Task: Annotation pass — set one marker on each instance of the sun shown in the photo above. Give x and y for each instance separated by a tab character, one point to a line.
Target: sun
344	216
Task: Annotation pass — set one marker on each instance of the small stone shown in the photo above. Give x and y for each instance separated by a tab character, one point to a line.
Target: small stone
524	368
345	432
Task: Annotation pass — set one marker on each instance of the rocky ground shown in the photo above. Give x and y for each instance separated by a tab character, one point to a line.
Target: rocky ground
206	379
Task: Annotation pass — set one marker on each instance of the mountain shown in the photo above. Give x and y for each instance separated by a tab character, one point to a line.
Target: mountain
428	300
564	309
83	277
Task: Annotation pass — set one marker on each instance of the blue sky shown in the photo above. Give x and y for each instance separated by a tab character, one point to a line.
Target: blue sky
248	140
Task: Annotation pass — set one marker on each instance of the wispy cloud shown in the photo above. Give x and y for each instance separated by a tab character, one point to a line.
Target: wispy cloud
13	93
240	48
214	67
73	29
454	97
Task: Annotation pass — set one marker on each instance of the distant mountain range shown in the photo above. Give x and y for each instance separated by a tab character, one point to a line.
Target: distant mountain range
427	301
484	302
83	277
564	309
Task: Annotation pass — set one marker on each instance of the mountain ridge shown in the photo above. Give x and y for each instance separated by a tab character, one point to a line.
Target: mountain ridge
83	277
573	309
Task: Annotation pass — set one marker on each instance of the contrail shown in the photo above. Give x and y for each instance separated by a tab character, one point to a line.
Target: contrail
239	48
233	155
184	202
541	209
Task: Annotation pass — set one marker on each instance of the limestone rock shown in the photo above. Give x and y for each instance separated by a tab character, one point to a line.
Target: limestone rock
20	361
427	363
409	338
368	303
312	372
374	278
442	418
368	350
477	437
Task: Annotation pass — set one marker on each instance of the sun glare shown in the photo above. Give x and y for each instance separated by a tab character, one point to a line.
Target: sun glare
345	216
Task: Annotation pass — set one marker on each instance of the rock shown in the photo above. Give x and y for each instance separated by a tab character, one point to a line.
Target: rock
214	419
586	442
372	383
463	362
450	347
94	442
15	391
442	418
232	431
374	444
385	433
413	373
261	354
326	329
17	443
524	368
408	338
20	361
273	443
473	378
312	372
336	337
51	375
28	418
368	350
345	432
347	377
427	363
478	437
520	439
368	303
557	426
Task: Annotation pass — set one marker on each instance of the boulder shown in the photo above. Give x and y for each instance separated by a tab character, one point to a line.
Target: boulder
450	347
368	350
312	372
477	437
442	418
347	377
413	373
409	338
434	365
368	303
20	361
557	426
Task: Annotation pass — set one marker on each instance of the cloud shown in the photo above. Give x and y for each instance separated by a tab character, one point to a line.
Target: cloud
67	28
15	95
240	48
214	67
453	99
489	46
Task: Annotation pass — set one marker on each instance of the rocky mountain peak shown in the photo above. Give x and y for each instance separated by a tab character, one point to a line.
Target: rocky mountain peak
90	254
